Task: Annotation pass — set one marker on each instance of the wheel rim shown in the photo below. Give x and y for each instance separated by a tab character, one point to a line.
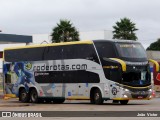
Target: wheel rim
23	95
96	96
34	96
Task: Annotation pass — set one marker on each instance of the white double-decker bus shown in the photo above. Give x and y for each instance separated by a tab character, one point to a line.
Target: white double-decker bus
95	70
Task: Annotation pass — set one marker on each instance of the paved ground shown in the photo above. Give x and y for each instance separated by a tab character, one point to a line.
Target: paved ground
147	105
135	105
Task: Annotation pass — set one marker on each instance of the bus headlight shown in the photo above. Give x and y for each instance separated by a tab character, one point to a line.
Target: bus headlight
150	96
150	90
126	90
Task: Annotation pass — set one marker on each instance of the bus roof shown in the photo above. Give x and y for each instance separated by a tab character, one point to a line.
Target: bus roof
52	44
72	43
116	40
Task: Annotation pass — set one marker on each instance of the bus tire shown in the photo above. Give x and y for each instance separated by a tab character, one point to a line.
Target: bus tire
92	100
98	97
92	97
124	102
34	96
23	96
58	101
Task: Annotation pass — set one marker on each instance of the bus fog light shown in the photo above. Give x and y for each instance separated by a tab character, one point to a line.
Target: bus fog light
125	96
150	96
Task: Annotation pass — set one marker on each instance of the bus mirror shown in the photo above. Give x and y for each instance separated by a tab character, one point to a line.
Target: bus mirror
155	63
123	64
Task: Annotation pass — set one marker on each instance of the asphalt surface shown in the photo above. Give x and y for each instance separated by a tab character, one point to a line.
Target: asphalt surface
136	105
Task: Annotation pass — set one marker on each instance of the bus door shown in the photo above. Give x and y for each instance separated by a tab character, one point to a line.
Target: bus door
72	89
86	78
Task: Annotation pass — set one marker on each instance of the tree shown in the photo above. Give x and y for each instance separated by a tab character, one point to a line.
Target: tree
125	30
64	32
155	46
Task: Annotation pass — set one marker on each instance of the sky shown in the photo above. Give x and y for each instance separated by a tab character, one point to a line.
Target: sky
29	17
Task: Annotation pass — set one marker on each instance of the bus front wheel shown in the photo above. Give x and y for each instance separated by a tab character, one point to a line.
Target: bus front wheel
98	97
34	96
23	95
124	102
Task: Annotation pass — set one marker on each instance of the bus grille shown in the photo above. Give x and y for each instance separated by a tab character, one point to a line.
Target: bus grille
139	96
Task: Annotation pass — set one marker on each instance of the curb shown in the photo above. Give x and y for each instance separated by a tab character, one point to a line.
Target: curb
157	94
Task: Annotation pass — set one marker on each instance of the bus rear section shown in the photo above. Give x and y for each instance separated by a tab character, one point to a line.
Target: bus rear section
53	72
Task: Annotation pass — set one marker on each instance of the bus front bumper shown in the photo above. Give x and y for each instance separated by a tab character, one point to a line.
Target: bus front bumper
136	95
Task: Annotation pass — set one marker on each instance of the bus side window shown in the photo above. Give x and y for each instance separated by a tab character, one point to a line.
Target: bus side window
53	53
34	54
68	52
106	50
85	52
27	54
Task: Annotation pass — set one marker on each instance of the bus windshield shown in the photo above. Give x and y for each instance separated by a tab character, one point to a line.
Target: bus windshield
131	50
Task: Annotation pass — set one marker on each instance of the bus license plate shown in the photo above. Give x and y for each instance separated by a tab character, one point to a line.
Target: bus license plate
140	97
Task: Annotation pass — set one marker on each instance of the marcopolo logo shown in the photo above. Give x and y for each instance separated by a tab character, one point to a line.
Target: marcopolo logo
114	91
28	65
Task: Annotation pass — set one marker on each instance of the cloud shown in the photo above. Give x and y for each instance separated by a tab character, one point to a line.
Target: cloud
40	16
